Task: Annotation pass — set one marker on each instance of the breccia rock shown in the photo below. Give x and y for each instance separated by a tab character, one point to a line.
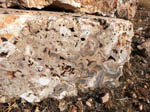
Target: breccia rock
114	8
51	54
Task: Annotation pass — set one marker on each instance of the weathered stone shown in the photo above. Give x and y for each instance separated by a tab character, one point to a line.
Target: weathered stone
120	8
56	54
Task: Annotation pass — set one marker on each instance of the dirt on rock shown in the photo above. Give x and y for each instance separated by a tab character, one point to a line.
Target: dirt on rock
132	95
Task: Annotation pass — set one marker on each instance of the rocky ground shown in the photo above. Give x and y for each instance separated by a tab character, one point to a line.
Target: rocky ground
132	95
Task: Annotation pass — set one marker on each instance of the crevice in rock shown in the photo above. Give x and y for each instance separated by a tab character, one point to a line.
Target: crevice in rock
55	6
48	8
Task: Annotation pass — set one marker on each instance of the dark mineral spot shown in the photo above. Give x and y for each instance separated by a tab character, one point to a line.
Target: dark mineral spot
3	54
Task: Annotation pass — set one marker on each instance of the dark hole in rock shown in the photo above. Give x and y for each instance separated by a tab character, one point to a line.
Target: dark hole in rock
103	23
82	39
3	54
77	16
100	45
62	74
55	75
52	7
121	51
72	29
97	14
46	66
30	62
62	58
51	69
12	74
15	42
46	29
49	53
106	26
99	97
75	36
22	75
89	62
67	67
121	79
115	51
39	58
111	58
4	39
23	59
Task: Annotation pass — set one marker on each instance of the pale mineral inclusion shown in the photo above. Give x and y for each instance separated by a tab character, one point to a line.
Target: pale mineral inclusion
114	8
51	54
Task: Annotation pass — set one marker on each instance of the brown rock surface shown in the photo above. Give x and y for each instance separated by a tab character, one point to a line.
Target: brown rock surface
56	54
26	3
120	8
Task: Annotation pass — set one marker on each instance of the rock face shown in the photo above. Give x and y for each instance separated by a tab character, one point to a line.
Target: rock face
26	3
56	54
120	8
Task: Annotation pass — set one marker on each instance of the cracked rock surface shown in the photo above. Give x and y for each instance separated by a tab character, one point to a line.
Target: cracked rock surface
51	54
114	8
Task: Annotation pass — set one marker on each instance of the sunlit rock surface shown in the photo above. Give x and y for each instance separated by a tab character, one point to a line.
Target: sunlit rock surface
26	3
57	54
120	8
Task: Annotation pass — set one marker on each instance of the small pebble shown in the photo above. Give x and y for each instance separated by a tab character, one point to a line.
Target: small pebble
62	105
105	98
88	104
141	107
134	95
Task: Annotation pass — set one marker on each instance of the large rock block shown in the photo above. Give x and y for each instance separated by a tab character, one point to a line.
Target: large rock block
120	8
57	54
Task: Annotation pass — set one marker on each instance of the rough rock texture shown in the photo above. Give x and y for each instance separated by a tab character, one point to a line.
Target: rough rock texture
56	54
120	8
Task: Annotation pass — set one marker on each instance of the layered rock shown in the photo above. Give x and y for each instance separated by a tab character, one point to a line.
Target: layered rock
120	8
57	54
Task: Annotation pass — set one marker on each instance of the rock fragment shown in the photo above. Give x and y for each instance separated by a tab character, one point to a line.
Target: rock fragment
51	54
105	98
145	46
120	8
